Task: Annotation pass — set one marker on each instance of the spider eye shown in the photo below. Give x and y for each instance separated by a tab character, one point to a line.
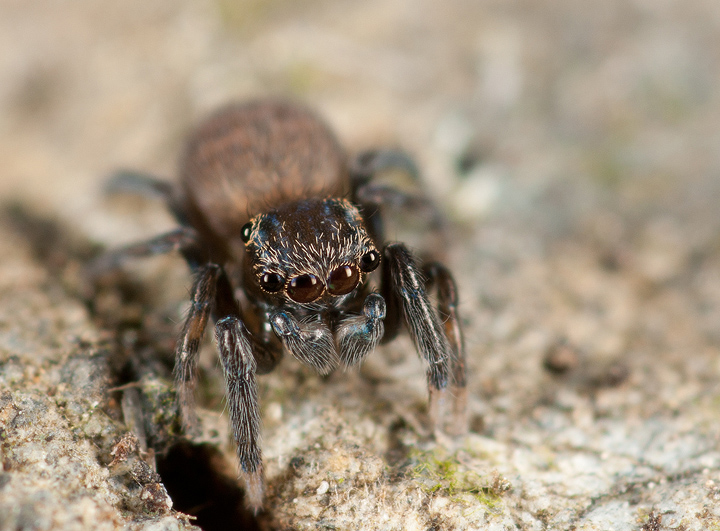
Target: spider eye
245	232
271	282
305	288
369	261
343	280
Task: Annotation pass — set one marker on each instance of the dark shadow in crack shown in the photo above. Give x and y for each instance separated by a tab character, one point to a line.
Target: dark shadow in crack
202	483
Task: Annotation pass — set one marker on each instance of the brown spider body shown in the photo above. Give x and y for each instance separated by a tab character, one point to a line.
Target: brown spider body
283	236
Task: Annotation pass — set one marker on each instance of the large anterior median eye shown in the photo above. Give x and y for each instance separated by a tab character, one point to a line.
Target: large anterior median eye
305	288
343	280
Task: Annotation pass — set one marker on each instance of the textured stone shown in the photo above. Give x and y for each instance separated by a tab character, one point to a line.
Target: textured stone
573	145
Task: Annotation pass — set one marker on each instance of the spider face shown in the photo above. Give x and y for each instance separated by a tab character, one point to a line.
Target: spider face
309	251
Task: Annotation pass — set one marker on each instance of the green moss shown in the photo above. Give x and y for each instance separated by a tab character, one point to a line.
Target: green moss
711	524
444	474
159	399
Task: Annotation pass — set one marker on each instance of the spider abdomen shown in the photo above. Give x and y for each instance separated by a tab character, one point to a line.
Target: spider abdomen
250	157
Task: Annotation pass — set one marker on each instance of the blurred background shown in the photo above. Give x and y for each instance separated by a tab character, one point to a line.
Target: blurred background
573	144
619	97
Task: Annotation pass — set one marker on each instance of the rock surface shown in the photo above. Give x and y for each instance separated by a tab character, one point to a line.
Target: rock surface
573	146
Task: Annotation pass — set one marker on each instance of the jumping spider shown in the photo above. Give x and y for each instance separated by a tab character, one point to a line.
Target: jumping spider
282	235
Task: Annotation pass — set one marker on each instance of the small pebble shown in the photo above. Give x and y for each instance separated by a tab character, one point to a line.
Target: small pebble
561	358
323	488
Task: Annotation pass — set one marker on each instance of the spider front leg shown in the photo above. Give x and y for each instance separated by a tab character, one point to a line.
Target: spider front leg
239	366
358	335
403	286
239	355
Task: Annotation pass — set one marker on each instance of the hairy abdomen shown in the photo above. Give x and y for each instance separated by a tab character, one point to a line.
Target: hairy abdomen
248	158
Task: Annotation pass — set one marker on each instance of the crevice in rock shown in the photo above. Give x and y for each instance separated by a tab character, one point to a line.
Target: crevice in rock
201	483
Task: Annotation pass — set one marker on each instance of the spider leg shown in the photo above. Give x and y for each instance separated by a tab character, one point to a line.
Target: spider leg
311	342
131	181
390	197
358	335
181	239
149	186
240	355
186	353
239	366
367	164
372	196
440	277
266	349
403	286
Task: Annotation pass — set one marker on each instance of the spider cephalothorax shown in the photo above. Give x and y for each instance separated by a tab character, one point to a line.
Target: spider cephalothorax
308	251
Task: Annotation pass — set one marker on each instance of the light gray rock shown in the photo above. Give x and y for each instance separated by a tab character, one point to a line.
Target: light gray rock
55	430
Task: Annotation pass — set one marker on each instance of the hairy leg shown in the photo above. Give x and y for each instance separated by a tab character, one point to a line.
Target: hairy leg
135	182
437	334
440	278
239	366
149	186
181	239
404	285
266	350
213	295
242	355
374	195
186	352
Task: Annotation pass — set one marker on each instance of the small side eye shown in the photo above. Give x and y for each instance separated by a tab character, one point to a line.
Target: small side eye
305	288
369	261
245	231
343	280
271	282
